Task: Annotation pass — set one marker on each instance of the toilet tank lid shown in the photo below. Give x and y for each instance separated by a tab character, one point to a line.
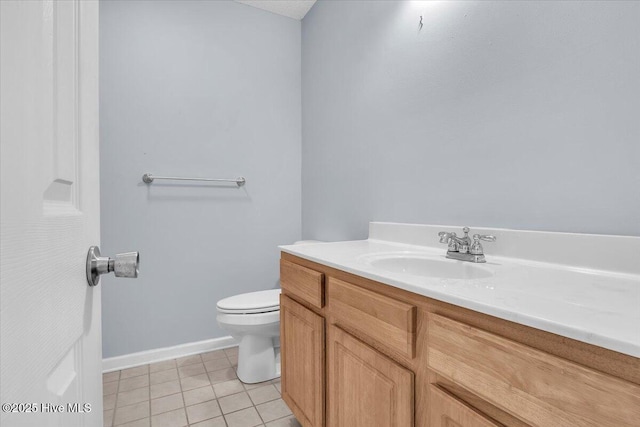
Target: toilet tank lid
252	301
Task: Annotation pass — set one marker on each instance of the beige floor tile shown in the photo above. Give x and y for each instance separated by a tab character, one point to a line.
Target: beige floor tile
164	376
176	418
162	366
107	418
235	402
246	418
138	395
109	388
189	360
198	395
144	422
273	410
264	394
216	364
213	422
191	370
203	411
284	422
131	413
222	375
166	404
278	386
231	351
109	401
111	376
134	372
189	383
165	389
227	388
256	385
211	355
133	383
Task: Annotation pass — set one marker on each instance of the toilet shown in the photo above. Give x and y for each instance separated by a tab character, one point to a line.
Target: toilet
253	319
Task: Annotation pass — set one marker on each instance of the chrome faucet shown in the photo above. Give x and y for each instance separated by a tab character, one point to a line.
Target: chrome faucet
456	244
462	248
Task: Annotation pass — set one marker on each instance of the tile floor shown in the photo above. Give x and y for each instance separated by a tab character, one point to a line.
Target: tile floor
196	391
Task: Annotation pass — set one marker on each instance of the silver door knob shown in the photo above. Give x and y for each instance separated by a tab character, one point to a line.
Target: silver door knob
123	265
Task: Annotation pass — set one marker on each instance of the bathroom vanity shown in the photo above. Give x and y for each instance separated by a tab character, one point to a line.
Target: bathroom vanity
387	332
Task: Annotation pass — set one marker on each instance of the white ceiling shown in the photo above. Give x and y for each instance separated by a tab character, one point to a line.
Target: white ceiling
295	9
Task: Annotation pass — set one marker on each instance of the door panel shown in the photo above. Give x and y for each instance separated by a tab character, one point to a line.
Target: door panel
448	411
302	356
366	388
50	317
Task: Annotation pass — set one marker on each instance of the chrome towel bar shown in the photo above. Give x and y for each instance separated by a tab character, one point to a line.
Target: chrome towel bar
149	178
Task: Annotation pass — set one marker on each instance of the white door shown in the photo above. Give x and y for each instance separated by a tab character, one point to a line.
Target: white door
49	316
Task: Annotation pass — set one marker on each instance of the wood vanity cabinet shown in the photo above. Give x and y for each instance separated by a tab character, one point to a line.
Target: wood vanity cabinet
358	353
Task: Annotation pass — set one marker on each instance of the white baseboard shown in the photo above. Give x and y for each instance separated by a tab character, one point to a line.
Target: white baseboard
159	354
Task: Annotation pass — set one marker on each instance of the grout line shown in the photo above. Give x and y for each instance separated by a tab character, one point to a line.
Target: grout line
115	408
149	391
150	413
259	414
184	407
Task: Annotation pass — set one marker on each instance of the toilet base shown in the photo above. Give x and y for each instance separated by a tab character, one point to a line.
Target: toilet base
258	359
258	336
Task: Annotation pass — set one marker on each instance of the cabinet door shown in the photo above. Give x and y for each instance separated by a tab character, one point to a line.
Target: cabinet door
448	411
302	357
366	388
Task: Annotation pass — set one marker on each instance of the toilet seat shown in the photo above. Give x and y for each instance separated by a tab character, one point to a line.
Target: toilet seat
251	303
255	319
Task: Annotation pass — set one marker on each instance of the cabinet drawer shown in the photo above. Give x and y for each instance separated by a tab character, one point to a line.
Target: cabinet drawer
390	322
448	411
302	282
534	386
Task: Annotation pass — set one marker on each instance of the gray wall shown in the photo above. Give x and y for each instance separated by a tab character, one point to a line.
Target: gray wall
502	114
205	89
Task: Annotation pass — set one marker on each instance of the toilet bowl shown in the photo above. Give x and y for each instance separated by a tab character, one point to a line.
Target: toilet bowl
253	319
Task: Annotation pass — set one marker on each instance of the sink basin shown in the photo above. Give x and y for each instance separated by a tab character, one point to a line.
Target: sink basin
425	266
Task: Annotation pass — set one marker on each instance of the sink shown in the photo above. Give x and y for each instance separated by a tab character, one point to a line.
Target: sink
427	266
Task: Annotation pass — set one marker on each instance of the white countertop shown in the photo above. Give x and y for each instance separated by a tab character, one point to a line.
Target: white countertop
595	306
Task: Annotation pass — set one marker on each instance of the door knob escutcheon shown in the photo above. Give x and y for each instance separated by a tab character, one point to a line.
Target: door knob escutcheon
123	265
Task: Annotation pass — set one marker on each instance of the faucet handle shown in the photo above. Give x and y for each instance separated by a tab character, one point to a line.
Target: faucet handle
444	236
450	240
476	247
485	237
